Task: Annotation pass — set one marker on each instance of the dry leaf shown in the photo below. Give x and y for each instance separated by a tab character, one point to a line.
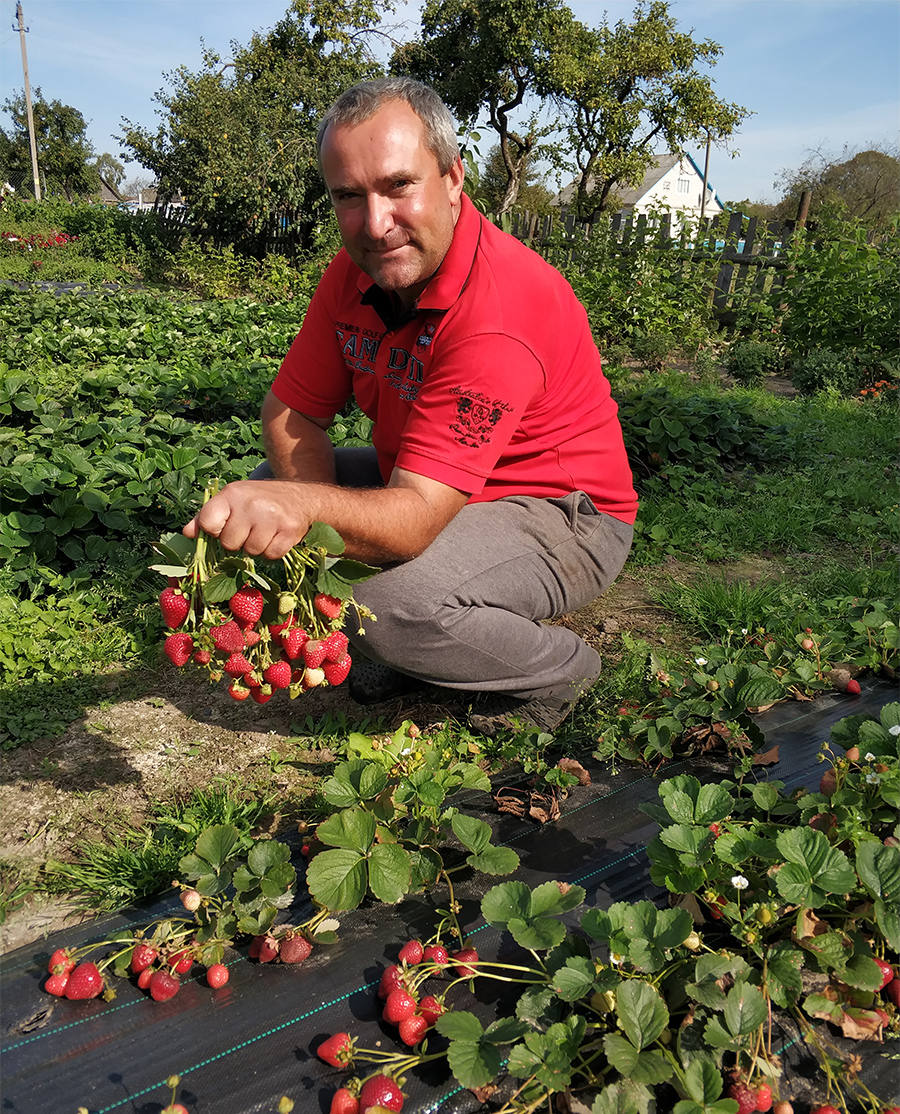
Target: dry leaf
572	767
767	758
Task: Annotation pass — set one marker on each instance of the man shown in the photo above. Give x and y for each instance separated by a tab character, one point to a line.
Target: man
497	494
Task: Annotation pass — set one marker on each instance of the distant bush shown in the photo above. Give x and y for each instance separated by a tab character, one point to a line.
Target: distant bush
749	361
826	369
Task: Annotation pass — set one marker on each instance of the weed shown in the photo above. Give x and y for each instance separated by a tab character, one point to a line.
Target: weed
714	605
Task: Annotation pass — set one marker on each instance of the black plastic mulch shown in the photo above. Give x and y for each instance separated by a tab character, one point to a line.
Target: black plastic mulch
240	1048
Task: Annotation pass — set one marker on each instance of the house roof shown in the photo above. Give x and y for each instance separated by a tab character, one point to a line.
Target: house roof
653	174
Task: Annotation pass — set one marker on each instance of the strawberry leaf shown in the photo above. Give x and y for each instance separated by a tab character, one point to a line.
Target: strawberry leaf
641	1011
745	1009
389	872
353	829
322	536
337	879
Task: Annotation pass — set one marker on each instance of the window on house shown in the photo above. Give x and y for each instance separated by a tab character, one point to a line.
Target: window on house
684	185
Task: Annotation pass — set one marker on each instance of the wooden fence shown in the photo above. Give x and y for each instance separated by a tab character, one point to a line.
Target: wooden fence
750	251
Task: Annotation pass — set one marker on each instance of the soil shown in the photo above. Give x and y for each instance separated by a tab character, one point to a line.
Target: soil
159	735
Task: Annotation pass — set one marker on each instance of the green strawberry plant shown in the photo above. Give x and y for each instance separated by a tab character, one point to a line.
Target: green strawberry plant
393	827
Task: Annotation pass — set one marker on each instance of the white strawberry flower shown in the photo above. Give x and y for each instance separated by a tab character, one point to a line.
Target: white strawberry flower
739	882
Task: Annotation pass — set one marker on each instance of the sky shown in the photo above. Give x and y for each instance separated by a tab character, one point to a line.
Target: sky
818	75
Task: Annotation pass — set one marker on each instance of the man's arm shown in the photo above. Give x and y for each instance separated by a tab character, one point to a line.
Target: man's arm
378	525
297	446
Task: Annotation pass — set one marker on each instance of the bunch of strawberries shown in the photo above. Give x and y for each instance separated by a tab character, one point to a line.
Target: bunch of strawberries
292	652
258	632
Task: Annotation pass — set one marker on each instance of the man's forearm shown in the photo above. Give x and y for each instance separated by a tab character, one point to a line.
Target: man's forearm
297	448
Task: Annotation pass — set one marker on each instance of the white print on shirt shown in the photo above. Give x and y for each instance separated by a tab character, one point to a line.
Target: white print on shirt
407	385
476	417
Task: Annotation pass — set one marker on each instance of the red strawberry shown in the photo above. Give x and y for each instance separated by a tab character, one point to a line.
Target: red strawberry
217	975
276	630
887	971
437	954
399	1005
85	981
892	991
294	949
163	986
335	646
431	1008
253	680
181	961
178	648
313	653
61	962
745	1096
854	690
237	665
175	1108
764	1098
293	640
823	1110
202	657
329	606
262	694
344	1102
390	980
336	1050
464	961
251	637
145	977
141	958
268	949
336	672
380	1090
255	944
175	606
56	984
227	638
247	605
412	1029
412	952
238	691
278	674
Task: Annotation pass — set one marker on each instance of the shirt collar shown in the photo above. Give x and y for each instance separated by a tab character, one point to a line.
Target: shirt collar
450	279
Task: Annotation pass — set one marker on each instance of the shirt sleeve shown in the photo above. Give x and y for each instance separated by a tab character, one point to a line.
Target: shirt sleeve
313	377
469	411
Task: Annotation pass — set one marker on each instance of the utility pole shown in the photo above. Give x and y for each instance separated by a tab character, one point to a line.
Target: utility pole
705	180
30	114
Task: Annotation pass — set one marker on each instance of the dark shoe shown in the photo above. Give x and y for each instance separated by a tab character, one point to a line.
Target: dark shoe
498	712
371	683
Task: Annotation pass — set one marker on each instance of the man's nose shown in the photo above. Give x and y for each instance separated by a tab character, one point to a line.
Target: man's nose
379	216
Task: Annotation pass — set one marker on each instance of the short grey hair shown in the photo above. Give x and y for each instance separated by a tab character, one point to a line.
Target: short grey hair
361	101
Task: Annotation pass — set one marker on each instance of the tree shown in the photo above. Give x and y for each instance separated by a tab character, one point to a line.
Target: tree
63	149
110	169
865	186
634	88
533	194
238	138
137	184
495	57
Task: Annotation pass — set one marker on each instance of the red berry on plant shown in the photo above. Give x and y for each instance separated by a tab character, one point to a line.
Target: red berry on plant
228	638
336	1050
412	952
238	665
85	981
745	1096
141	958
174	605
335	645
764	1098
380	1090
247	605
313	653
163	986
144	977
336	672
464	961
399	1005
390	980
60	962
413	1029
278	674
782	1108
182	961
892	991
237	691
268	949
431	1008
178	648
827	1109
56	984
294	949
217	975
887	972
293	640
261	694
329	606
437	954
344	1102
853	687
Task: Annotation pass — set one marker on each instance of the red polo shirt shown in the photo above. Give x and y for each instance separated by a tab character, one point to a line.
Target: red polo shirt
492	384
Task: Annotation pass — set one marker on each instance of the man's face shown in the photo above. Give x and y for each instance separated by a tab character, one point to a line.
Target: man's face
395	210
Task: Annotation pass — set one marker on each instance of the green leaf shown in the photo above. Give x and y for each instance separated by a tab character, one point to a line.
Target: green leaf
813	868
785	982
337	879
473	834
745	1009
541	933
495	860
217	843
575	980
703	1082
648	1067
474	1065
503	902
641	1011
322	536
389	872
878	868
352	828
459	1025
266	853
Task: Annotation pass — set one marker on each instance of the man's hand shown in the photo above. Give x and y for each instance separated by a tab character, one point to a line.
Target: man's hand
262	517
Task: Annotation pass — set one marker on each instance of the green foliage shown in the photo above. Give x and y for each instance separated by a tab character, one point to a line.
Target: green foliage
863	187
823	369
63	150
238	140
750	361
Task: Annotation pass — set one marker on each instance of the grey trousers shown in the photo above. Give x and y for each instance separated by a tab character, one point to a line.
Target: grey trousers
471	611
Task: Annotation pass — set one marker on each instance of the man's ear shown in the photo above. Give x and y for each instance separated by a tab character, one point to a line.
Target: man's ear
455	176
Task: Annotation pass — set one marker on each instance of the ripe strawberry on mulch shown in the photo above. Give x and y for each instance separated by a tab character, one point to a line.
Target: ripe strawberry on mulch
261	631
